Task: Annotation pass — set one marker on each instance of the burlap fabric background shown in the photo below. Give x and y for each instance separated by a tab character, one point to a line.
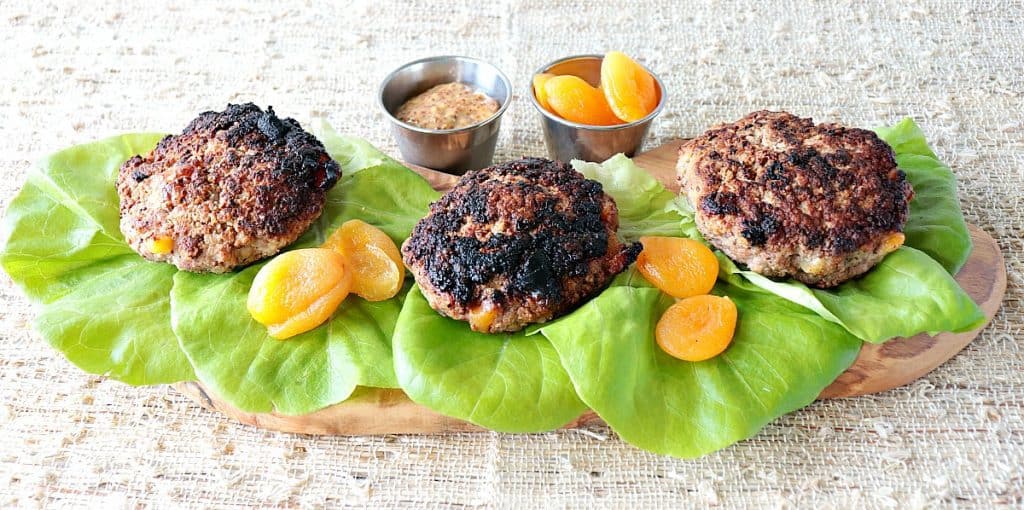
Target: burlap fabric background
72	74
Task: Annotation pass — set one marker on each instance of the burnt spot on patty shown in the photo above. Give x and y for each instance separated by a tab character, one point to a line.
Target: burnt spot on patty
531	234
292	152
756	231
775	172
719	203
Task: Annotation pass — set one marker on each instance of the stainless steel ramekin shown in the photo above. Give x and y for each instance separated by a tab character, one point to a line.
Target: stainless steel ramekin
569	140
450	150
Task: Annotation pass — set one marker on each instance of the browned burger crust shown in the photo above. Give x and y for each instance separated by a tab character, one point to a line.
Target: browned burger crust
517	243
234	187
819	203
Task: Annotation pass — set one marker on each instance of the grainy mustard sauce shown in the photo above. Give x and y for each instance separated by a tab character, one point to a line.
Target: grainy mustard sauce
448	106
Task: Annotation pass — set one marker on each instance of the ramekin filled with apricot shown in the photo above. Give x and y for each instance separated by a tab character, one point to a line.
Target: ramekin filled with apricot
596	106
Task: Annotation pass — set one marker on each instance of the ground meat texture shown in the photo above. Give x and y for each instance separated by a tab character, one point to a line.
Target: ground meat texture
234	187
517	243
788	198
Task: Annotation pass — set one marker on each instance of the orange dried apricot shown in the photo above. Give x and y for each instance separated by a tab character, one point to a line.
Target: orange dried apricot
679	267
482	317
298	290
575	100
893	242
697	328
628	87
161	245
376	263
539	91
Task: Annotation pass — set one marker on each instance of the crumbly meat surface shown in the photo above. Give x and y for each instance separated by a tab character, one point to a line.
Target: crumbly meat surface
234	187
820	203
517	243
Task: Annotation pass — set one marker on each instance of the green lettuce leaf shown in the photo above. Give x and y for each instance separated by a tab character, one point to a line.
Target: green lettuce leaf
236	358
98	302
389	197
906	294
351	153
646	207
780	359
508	383
936	224
385	193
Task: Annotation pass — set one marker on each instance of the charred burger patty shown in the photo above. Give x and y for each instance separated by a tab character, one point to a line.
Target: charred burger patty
788	198
517	243
234	187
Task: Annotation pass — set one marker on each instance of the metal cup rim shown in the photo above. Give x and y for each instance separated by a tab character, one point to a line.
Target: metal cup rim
391	76
650	116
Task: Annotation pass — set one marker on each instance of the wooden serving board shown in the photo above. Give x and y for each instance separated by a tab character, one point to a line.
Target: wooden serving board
877	368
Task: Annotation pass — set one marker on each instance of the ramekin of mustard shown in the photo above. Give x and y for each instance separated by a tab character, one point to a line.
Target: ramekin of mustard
445	111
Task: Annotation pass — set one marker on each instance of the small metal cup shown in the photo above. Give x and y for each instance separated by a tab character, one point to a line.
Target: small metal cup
568	140
450	150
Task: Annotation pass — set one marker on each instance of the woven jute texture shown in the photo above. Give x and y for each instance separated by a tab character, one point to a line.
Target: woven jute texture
73	72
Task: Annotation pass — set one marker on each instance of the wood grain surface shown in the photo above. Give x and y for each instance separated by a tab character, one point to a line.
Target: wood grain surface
877	368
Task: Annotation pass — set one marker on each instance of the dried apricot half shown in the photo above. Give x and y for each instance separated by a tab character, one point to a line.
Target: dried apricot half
679	267
161	245
628	87
298	290
575	100
539	91
374	259
889	244
697	328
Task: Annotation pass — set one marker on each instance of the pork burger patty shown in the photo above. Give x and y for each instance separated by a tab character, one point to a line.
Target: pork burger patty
788	198
234	187
517	243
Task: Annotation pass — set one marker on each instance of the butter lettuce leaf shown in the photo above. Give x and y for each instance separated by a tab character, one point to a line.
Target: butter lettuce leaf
905	294
99	303
373	187
238	361
646	207
235	357
390	197
780	359
504	382
352	154
936	223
